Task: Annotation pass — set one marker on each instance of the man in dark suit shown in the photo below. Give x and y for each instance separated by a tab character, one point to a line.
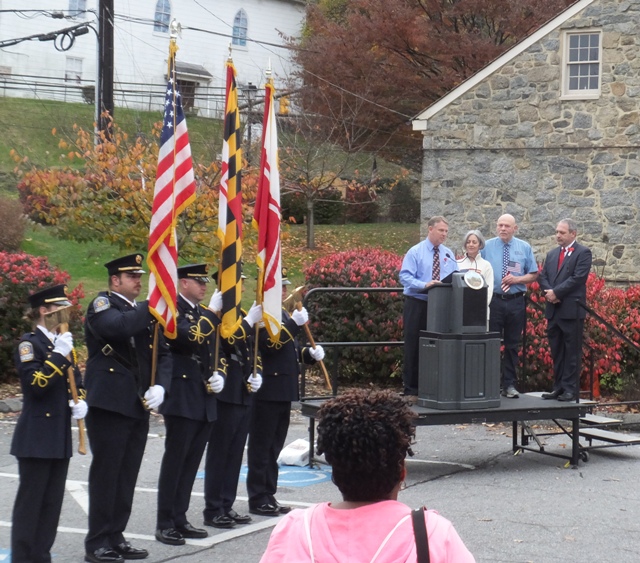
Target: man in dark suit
564	282
229	432
271	408
120	334
191	407
42	439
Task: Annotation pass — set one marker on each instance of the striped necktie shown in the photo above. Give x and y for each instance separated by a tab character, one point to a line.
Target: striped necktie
436	264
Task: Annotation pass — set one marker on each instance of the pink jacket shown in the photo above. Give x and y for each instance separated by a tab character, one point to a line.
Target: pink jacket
380	533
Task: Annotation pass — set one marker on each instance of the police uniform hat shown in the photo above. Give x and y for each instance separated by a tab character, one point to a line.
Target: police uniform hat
285	279
131	264
197	272
56	295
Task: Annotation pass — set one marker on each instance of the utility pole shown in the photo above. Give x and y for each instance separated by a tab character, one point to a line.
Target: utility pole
104	99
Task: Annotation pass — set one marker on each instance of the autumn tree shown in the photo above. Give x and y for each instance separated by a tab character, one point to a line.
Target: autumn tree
313	167
371	66
104	192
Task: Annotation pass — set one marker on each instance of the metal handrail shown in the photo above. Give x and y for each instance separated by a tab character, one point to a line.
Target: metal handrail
336	346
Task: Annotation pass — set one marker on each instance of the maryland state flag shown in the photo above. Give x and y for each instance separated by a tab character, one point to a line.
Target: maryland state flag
266	219
230	212
175	189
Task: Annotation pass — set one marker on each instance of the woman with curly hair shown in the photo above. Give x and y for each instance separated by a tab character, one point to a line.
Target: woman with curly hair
365	437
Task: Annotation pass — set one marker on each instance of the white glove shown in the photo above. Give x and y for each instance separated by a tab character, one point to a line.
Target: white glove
63	344
154	396
300	317
217	382
255	381
78	410
317	353
215	304
254	315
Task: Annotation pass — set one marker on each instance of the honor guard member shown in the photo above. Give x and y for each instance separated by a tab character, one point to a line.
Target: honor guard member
42	438
271	407
190	409
120	335
229	433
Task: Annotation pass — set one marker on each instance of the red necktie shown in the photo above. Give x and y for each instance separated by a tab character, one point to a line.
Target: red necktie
563	253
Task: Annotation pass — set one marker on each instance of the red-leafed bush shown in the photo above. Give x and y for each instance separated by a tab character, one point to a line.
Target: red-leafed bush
361	316
21	275
614	360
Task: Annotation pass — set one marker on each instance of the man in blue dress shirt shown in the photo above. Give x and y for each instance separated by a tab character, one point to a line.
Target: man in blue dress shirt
423	266
514	266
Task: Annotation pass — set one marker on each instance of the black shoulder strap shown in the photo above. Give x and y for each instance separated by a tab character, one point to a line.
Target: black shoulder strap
420	532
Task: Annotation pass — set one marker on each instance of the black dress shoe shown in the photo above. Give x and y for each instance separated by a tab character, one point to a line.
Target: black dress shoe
265	509
567	397
283	509
170	536
553	395
222	521
189	531
127	551
103	555
238	518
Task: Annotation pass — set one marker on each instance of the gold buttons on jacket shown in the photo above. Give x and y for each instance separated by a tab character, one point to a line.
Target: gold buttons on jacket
111	370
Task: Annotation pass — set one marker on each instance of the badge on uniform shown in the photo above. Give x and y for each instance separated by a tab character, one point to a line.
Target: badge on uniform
101	303
25	350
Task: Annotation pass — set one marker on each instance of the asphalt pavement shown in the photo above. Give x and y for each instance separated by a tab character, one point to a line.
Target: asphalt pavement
506	507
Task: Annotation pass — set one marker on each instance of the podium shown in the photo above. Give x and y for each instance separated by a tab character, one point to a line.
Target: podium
459	361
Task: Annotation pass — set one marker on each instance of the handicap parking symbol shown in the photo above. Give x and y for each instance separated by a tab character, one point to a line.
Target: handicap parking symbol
291	476
294	476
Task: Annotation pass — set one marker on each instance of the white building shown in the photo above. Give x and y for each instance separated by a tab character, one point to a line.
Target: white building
43	69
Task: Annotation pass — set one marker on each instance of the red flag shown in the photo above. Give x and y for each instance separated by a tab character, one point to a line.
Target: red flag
230	212
266	219
175	189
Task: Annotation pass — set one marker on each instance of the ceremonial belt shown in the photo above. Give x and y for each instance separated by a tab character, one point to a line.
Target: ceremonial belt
111	352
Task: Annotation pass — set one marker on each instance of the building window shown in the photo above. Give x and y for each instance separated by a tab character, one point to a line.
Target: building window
77	8
240	26
582	68
73	71
163	16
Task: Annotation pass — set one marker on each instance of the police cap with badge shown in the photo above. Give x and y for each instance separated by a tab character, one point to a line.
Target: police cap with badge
56	295
197	272
130	264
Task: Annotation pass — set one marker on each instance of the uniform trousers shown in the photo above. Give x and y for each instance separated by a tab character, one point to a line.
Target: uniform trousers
184	445
224	458
414	320
565	341
267	433
117	444
36	511
508	318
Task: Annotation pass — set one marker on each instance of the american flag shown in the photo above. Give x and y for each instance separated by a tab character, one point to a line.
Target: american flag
230	212
175	189
266	218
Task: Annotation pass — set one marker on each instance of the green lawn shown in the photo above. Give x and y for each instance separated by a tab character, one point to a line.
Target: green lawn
85	261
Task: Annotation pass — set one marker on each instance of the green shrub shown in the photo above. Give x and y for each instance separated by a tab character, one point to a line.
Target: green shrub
20	275
327	210
405	206
359	317
12	224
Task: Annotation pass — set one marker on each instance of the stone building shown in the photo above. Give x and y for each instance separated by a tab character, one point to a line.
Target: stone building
548	130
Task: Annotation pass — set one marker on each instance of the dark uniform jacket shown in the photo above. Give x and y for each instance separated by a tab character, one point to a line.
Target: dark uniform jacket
569	283
239	350
193	353
120	341
281	362
44	427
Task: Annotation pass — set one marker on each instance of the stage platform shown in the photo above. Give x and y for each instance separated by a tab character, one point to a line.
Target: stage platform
528	407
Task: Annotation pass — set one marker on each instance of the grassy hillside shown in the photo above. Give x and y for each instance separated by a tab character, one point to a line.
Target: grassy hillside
84	262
